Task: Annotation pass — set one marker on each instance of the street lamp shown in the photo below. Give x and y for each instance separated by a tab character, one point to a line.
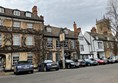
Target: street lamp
62	39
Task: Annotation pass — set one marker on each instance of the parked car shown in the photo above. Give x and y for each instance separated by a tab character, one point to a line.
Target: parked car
91	62
111	60
105	60
68	64
23	66
100	62
77	63
82	63
116	59
48	65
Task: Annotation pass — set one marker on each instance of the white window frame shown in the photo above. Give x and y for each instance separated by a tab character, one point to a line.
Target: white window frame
15	57
0	39
81	38
16	24
16	13
100	45
66	43
49	29
66	31
16	39
29	25
30	57
73	43
57	43
81	47
28	14
49	42
2	10
1	22
29	40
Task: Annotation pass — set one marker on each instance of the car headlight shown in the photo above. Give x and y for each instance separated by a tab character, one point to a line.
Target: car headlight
48	64
19	66
31	66
72	63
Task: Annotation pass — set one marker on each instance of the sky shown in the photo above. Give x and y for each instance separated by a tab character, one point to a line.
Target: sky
62	13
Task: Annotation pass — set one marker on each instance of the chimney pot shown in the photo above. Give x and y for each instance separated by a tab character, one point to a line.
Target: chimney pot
34	10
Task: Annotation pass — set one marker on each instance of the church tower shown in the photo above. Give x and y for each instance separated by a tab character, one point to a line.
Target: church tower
103	26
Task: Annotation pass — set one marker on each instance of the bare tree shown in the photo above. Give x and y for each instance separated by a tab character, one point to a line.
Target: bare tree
112	13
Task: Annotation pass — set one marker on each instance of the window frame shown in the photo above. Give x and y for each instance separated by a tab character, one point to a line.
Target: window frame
31	42
16	12
15	55
81	47
100	45
58	43
17	24
30	57
66	31
73	44
16	42
2	10
28	14
49	29
29	25
0	39
49	42
66	43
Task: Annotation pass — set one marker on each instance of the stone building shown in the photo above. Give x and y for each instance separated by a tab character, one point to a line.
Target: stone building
110	42
53	44
19	36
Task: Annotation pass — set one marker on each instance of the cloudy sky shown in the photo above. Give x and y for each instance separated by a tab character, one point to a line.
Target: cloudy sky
63	13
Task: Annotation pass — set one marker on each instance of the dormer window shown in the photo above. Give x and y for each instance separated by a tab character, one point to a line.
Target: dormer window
28	14
66	31
49	29
108	38
116	39
1	10
16	12
96	38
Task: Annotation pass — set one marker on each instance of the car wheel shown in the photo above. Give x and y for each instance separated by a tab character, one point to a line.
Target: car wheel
57	68
44	69
89	64
32	71
68	66
15	72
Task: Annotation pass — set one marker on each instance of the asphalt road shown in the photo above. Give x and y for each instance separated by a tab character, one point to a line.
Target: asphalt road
94	74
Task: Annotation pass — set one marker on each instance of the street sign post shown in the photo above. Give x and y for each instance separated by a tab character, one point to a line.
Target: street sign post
62	39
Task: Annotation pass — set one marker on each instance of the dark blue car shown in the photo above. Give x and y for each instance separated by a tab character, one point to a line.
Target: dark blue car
48	65
23	66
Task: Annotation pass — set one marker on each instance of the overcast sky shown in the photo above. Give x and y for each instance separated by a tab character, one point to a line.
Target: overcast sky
62	13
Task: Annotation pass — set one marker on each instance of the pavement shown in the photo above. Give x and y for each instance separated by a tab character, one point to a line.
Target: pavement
93	74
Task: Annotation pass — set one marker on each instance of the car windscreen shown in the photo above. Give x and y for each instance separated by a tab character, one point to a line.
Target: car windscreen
69	61
48	61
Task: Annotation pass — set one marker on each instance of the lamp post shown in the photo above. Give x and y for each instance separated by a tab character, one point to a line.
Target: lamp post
62	39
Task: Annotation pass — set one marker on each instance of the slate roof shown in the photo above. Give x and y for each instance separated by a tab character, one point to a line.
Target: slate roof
9	13
56	32
102	37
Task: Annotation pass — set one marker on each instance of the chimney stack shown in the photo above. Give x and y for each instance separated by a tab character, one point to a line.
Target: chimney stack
34	10
78	30
93	30
75	27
